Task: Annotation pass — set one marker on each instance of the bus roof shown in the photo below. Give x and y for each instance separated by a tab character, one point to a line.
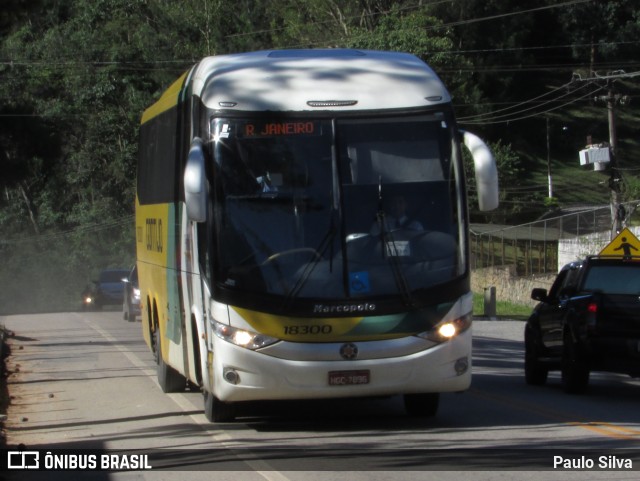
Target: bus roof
322	79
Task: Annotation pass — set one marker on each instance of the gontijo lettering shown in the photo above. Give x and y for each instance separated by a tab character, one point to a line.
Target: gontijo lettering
154	234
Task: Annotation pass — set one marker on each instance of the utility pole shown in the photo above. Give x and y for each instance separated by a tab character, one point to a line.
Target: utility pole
549	163
614	181
618	213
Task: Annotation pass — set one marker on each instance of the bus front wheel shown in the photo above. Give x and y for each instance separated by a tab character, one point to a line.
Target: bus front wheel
422	405
217	411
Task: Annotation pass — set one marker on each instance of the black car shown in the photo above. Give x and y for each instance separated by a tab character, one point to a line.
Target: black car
131	300
588	321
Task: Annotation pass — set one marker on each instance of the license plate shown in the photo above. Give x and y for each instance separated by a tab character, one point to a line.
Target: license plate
348	378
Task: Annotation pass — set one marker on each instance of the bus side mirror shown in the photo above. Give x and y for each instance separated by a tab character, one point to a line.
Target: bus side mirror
195	183
486	171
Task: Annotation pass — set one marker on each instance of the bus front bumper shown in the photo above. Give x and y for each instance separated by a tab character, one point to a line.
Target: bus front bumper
243	375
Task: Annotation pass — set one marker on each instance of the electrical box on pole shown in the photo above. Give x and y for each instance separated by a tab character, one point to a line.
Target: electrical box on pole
599	156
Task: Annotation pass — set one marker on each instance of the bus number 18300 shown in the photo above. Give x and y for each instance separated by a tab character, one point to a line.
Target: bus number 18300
308	330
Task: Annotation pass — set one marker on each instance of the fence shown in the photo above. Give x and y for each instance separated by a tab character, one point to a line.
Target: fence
534	248
516	258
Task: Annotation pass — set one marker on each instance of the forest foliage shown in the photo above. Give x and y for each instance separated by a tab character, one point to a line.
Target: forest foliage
75	76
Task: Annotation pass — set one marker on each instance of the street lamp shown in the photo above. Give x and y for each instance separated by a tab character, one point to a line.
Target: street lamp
564	128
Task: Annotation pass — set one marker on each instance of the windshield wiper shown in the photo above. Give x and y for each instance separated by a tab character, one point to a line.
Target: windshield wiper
389	250
328	238
327	241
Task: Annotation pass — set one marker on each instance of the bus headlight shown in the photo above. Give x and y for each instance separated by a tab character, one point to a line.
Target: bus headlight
447	330
241	337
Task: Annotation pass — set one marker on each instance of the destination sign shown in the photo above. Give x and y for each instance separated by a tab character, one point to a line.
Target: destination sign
273	129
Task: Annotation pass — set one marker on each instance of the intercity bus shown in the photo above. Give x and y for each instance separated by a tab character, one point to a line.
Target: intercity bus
273	260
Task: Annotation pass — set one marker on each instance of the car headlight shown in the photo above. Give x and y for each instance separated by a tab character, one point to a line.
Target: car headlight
241	337
136	293
446	330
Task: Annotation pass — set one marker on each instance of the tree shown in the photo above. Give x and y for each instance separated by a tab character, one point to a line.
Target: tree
76	75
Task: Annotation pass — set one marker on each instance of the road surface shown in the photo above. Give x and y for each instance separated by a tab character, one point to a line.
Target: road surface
86	381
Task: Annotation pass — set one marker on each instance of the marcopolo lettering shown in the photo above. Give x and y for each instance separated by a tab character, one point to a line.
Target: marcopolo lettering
343	308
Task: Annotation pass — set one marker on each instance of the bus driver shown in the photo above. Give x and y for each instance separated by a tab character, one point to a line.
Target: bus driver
397	218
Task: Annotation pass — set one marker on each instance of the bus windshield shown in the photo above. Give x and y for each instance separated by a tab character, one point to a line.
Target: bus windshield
335	208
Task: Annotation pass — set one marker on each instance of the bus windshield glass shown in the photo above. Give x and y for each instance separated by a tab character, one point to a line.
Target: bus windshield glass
335	208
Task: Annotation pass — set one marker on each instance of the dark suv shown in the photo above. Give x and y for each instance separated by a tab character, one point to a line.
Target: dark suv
588	321
109	287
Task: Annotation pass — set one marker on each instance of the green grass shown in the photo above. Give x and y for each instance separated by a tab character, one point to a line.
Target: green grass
504	310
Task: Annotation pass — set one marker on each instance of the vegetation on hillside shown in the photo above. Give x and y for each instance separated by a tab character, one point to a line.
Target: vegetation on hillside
75	76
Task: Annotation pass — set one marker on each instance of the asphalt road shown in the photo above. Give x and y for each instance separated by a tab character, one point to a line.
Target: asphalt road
86	381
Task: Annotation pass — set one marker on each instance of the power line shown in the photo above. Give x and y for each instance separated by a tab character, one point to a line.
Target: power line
616	75
523	117
511	14
435	27
156	65
84	229
492	118
527	102
374	14
539	47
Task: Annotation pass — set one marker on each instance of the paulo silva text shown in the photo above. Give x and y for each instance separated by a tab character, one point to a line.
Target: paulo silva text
584	462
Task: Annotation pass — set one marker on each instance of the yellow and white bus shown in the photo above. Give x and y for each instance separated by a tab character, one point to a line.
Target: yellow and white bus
302	230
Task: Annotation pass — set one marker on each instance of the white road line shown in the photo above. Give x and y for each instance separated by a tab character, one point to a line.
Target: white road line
186	405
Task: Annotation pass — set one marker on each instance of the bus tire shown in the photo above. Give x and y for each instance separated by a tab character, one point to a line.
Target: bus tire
169	379
217	411
422	405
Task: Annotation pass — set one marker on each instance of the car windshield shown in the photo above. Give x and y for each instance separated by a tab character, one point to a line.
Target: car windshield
613	279
322	208
107	277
